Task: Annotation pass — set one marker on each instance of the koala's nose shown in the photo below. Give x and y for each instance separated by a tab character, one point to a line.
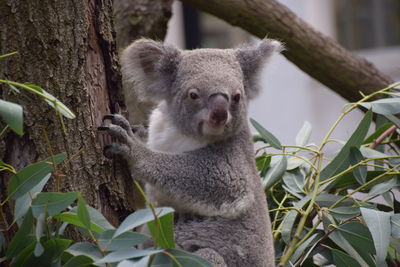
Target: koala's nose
218	105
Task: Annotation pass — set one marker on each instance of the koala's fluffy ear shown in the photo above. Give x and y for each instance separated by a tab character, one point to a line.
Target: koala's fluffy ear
151	67
252	59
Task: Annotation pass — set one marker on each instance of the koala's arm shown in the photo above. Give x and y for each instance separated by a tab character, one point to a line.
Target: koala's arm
204	181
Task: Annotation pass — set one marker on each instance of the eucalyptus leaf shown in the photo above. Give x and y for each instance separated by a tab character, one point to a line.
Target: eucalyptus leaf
27	178
385	106
83	213
52	203
290	218
162	231
127	253
72	218
377	133
383	187
395	223
360	172
23	203
338	238
378	223
12	114
275	173
300	250
40	222
342	259
267	136
125	240
78	261
182	257
85	248
263	163
341	161
21	238
345	213
140	217
294	180
303	136
294	162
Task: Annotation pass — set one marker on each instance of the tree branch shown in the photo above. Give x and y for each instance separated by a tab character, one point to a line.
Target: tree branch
319	56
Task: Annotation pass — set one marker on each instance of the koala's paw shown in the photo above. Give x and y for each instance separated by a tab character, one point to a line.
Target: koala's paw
121	130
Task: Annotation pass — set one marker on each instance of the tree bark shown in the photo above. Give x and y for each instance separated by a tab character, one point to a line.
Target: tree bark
67	48
135	19
319	56
141	18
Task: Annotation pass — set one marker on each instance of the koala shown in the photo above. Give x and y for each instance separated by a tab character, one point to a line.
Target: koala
199	156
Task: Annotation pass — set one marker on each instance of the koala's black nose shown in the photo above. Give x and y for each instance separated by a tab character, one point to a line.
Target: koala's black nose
218	106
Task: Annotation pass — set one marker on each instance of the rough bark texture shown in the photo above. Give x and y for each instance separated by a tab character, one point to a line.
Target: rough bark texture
68	48
135	19
317	55
141	18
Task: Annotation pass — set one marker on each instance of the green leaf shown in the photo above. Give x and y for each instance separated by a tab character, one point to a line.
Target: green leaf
83	213
378	223
164	232
127	253
294	183
395	222
290	219
125	240
184	259
360	239
86	249
301	249
326	200
73	218
21	238
142	262
360	172
338	238
263	163
22	204
344	213
377	133
27	178
53	248
53	102
52	203
12	114
383	187
343	260
341	161
267	136
39	231
80	260
385	106
304	134
275	173
140	217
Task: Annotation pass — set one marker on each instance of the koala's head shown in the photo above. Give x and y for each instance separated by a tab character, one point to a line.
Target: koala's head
206	91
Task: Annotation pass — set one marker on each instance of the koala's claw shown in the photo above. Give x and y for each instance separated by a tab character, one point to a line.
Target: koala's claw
107	151
108	117
102	128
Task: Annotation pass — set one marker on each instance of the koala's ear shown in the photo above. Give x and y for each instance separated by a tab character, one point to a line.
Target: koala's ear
151	67
252	59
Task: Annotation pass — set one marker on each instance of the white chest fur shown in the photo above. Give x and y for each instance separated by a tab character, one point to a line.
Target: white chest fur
165	137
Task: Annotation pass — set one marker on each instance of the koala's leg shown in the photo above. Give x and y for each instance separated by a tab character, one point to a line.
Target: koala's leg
212	256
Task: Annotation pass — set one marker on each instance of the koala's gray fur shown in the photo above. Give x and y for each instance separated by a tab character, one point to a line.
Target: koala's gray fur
199	157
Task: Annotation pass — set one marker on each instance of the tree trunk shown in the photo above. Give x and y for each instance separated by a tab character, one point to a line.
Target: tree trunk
319	56
135	19
67	48
141	18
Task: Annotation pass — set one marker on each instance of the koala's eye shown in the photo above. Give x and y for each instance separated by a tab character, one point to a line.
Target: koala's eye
236	97
194	94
